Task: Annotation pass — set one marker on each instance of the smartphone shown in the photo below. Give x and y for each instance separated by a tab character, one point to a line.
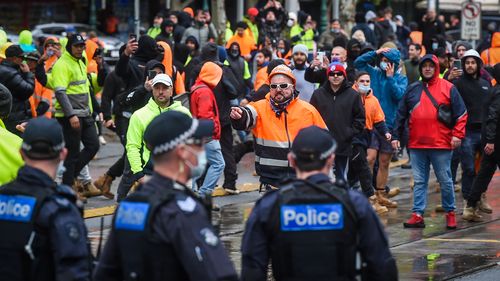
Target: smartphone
320	55
151	74
457	64
132	36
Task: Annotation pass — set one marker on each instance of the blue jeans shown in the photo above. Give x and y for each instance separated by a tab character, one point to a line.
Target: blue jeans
421	160
471	144
215	169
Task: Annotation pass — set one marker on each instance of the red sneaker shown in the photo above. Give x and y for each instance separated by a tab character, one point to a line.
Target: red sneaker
451	222
416	221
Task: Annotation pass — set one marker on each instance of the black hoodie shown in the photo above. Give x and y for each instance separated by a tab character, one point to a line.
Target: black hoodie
343	113
491	113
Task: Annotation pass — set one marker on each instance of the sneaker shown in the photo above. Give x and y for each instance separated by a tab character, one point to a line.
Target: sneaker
451	222
484	206
232	191
416	221
102	140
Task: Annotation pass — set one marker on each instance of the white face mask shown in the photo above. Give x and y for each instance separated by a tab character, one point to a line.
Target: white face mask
290	23
198	170
363	89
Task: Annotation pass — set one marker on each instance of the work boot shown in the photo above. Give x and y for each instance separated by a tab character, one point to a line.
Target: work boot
484	206
78	189
134	187
231	190
103	183
416	221
393	191
471	214
439	208
457	187
89	190
451	222
376	206
382	200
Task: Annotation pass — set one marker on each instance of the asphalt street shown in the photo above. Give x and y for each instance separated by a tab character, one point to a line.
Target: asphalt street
471	252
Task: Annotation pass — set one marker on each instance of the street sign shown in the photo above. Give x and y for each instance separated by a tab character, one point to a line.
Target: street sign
471	20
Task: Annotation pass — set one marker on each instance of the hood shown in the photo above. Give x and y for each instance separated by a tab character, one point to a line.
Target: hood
435	60
210	52
167	57
222	54
350	44
495	40
231	46
302	17
193	39
181	52
152	64
147	50
210	74
90	48
459	43
394	56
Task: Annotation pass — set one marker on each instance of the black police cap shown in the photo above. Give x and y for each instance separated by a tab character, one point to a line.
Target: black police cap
313	143
43	139
172	128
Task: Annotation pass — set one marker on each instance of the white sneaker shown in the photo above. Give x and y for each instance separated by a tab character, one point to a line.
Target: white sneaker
102	140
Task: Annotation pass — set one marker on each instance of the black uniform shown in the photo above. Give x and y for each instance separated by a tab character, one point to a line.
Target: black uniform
312	231
162	232
43	233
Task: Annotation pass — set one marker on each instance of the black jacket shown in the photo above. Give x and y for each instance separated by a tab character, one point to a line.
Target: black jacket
343	113
474	92
224	92
491	126
113	87
22	86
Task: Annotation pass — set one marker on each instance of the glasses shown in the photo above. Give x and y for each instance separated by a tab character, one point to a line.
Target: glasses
281	86
336	74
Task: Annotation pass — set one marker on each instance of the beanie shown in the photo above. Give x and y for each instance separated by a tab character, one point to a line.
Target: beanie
336	67
300	48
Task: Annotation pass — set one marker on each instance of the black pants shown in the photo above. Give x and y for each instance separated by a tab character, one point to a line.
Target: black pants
360	170
76	159
116	170
488	167
226	143
126	181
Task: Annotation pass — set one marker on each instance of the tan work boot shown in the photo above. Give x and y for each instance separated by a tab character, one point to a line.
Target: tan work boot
393	192
439	208
457	187
78	189
382	200
103	183
471	214
134	187
89	190
376	206
484	206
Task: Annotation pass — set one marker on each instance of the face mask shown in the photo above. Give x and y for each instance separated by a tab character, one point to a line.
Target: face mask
281	50
289	23
234	53
335	30
363	89
435	46
200	23
383	65
198	170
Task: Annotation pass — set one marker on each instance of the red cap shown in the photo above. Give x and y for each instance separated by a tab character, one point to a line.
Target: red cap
336	67
253	12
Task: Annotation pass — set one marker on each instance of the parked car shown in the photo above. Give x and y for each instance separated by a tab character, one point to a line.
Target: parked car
111	44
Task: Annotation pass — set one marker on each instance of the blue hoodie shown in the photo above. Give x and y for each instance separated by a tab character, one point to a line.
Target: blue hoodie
388	90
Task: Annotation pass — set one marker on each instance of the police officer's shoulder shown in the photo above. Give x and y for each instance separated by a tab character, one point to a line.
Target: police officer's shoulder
187	204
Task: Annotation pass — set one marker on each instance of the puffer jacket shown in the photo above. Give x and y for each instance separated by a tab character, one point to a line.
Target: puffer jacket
388	90
426	131
274	134
22	86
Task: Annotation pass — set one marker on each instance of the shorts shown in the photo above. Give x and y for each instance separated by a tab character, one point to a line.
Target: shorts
379	143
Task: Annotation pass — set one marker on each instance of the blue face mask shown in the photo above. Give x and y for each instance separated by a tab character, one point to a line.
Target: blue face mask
198	170
363	89
435	46
383	65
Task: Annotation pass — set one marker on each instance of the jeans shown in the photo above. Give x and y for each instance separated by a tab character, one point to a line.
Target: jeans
489	165
77	159
471	144
216	166
421	159
341	168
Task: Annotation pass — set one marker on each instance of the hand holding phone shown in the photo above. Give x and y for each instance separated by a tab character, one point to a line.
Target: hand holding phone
457	64
151	74
132	36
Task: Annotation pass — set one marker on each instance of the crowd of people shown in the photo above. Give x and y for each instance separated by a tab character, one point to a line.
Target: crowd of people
377	89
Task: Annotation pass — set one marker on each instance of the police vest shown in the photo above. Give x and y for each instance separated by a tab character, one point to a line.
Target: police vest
142	255
25	251
313	233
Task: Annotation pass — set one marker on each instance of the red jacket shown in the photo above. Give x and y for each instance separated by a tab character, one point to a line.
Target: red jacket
204	106
426	131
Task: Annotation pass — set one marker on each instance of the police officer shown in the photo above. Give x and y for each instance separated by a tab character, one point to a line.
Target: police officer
43	233
162	231
312	229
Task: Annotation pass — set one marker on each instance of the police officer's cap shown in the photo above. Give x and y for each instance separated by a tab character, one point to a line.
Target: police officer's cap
43	139
313	144
172	128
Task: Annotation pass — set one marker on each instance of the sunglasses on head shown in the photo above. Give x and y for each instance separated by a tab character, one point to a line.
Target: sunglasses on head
281	86
336	74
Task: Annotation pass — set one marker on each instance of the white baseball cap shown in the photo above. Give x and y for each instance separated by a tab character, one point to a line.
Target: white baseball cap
162	78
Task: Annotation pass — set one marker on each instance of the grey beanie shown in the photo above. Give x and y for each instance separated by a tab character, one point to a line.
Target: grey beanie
300	48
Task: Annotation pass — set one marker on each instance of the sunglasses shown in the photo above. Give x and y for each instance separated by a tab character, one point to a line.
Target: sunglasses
336	74
281	86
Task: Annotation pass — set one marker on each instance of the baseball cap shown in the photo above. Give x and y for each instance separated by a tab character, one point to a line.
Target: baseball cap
319	147
14	51
43	139
172	128
162	78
